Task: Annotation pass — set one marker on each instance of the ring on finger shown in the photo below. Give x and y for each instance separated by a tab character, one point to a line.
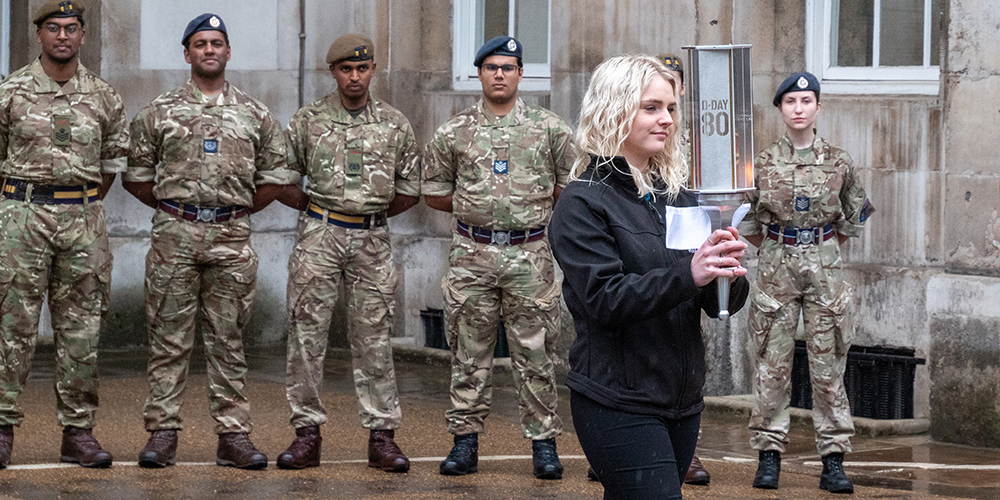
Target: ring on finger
720	260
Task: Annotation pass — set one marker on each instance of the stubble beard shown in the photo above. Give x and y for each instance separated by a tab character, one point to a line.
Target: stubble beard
209	74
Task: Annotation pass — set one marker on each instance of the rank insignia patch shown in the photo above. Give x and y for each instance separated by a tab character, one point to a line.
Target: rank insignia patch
499	166
211	146
801	203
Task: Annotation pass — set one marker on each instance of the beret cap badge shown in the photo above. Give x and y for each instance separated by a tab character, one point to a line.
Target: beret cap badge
214	22
802	83
511	45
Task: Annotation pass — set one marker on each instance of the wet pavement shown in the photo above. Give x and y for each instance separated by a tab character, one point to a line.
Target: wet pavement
884	467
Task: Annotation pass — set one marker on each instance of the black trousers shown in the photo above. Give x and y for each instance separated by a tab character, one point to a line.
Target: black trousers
635	456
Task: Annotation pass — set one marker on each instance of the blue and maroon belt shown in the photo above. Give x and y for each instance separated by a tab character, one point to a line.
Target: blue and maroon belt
48	194
800	236
198	213
491	237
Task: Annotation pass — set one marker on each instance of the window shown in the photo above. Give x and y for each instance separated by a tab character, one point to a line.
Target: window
476	21
874	46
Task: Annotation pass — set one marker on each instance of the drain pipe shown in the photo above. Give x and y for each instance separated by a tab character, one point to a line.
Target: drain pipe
302	51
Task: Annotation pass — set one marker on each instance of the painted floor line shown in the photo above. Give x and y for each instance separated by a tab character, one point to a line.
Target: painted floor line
495	458
883	465
913	465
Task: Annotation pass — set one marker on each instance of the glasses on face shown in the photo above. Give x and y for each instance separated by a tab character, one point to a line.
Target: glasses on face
70	29
492	68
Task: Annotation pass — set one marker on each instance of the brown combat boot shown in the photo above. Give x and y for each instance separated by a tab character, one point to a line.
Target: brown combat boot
160	450
696	473
236	450
6	444
304	450
383	452
80	447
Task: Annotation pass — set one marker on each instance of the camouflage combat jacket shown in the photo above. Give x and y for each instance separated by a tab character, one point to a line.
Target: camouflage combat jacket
804	192
354	165
67	135
503	170
210	151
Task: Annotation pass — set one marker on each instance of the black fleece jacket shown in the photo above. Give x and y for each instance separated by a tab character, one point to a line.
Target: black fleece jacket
636	309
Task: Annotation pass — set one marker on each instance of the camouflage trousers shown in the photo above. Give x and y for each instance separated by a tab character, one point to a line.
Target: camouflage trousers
193	265
806	279
325	258
517	282
62	250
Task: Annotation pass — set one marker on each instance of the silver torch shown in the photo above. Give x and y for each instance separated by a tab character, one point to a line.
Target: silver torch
720	107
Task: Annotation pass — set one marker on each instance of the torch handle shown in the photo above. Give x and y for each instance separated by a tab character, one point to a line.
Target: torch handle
723	284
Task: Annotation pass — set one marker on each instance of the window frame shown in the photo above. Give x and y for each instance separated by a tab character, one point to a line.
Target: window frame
537	76
913	80
4	37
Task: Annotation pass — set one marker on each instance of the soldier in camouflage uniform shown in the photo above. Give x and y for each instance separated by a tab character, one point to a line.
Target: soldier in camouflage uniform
202	155
808	201
63	138
499	166
363	166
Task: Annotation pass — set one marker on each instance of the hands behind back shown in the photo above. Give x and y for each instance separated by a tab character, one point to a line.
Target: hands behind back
718	256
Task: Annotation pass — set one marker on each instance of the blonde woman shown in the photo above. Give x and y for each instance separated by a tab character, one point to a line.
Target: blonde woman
638	362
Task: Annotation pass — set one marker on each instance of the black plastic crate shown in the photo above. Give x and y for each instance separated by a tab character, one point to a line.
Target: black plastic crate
879	380
433	321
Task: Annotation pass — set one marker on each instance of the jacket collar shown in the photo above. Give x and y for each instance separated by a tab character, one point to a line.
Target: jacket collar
516	116
44	84
816	155
341	115
193	94
612	171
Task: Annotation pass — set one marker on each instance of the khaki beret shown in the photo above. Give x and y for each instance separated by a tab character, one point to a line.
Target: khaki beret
351	47
59	8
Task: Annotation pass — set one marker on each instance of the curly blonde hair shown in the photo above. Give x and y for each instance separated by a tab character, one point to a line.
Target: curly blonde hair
610	105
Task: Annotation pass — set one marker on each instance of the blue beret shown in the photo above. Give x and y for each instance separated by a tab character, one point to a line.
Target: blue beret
204	22
499	46
802	80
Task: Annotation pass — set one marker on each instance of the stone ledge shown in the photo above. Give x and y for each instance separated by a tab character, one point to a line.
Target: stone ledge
740	406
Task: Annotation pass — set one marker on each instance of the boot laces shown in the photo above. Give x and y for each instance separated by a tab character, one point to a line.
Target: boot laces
161	438
462	451
546	453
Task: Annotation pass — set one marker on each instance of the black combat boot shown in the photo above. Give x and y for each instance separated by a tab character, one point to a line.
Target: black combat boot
545	459
833	479
768	470
464	456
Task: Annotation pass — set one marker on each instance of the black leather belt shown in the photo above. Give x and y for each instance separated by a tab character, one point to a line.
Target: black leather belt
48	194
347	220
489	236
800	236
197	213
